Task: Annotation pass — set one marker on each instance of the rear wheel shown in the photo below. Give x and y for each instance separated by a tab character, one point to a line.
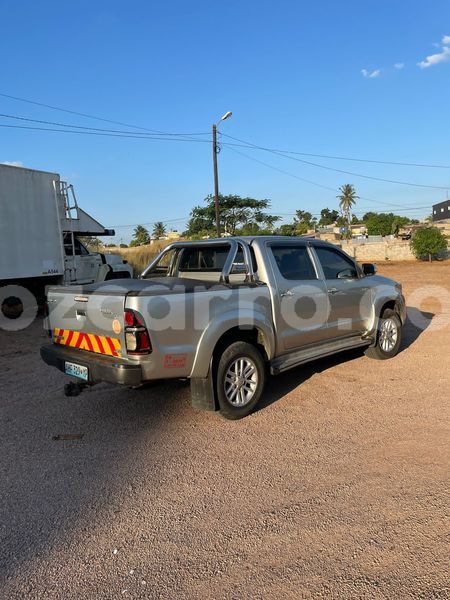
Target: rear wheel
389	336
240	380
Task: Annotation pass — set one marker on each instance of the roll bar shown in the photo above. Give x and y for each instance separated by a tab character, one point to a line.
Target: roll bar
226	271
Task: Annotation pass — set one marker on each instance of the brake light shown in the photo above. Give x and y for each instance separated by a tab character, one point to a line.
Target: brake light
137	340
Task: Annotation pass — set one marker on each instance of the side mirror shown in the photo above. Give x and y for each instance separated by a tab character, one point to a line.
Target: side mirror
347	274
369	269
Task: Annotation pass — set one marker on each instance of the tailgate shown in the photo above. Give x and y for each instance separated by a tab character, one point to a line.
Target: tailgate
90	321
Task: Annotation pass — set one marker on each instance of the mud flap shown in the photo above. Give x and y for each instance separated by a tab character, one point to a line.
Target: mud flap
203	396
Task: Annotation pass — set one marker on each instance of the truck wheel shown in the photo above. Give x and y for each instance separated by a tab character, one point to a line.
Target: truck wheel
240	380
389	336
12	307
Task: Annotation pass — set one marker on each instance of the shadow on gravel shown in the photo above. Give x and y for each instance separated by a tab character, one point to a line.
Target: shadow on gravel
416	323
50	488
67	464
280	385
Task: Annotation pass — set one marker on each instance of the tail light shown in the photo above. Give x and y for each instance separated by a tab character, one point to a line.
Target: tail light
137	340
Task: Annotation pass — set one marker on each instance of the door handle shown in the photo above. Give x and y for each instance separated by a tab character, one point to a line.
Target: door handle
287	294
332	291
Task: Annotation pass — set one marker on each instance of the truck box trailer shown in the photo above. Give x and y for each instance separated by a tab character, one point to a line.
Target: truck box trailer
40	229
30	225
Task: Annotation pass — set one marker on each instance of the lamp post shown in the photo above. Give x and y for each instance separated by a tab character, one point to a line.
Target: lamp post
227	115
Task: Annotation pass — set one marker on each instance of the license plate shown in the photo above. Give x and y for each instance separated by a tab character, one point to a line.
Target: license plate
76	371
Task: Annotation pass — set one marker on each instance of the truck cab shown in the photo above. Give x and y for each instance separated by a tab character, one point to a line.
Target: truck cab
81	266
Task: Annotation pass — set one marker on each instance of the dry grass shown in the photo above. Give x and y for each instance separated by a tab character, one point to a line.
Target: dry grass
141	256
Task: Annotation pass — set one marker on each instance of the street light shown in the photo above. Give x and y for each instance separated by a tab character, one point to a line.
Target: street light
226	116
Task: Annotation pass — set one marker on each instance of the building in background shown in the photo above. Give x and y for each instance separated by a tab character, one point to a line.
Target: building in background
441	211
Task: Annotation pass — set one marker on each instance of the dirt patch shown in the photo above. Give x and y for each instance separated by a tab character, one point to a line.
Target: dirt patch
336	488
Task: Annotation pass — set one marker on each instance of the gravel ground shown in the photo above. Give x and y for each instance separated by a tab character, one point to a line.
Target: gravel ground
336	488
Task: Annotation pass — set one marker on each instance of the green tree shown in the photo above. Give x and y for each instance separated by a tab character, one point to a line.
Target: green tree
159	230
428	241
384	223
304	221
347	199
398	223
141	236
328	217
235	212
93	244
368	215
379	223
287	229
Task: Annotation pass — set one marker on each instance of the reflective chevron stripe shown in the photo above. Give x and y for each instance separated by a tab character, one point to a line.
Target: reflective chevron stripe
91	342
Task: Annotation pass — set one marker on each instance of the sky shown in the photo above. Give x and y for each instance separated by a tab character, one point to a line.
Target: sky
362	79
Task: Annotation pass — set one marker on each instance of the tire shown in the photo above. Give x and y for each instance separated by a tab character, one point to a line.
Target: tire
387	346
237	401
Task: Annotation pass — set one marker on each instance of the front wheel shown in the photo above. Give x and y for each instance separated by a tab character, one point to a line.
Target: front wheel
240	380
389	336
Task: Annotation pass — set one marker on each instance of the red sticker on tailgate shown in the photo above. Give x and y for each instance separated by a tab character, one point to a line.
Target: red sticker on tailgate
175	361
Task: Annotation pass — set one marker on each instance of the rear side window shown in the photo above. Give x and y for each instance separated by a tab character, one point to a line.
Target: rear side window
204	259
333	262
294	262
210	259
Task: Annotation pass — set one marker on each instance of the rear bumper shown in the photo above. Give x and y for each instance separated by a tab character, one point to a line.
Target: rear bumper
100	368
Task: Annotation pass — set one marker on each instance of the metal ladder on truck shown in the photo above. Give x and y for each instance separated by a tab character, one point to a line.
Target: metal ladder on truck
68	213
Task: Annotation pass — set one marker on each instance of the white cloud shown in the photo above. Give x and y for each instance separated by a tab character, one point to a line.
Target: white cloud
13	163
435	59
399	66
370	74
439	57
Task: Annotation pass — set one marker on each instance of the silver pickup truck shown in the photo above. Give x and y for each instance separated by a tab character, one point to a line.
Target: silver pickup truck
224	313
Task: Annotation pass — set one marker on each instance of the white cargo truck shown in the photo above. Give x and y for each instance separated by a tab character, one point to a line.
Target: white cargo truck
40	229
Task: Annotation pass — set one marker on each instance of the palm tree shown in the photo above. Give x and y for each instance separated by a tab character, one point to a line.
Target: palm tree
347	199
159	230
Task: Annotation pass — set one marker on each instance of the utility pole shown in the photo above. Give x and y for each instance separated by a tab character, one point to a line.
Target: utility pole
216	179
215	148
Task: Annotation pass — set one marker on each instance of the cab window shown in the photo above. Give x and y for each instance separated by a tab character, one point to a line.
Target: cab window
80	248
334	263
294	262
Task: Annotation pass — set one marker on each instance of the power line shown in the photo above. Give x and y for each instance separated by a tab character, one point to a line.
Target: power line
245	144
312	182
148	224
371	177
148	137
83	127
184	137
307	162
135	136
80	114
325	187
328	156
